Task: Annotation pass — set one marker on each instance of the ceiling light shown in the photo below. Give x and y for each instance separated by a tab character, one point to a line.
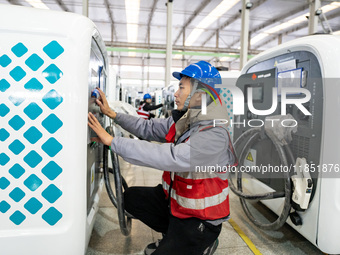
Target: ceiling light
215	14
249	5
230	57
132	19
226	59
178	56
318	12
37	4
292	22
193	36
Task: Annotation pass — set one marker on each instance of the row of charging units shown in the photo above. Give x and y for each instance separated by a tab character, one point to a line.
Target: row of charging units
295	88
50	178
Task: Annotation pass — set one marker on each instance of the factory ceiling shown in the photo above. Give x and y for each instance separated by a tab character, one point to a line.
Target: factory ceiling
202	29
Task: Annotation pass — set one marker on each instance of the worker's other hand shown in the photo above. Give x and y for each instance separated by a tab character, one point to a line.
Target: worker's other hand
103	136
104	105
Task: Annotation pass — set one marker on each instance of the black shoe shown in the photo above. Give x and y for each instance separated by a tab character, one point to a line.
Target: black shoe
150	248
211	249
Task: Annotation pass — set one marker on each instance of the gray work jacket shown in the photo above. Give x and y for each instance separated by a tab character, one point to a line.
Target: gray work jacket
208	148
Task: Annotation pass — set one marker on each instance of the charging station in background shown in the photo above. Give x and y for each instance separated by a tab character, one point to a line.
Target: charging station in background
50	178
310	63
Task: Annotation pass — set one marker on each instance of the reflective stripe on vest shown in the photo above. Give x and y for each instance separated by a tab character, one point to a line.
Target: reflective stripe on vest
143	114
218	211
196	194
200	203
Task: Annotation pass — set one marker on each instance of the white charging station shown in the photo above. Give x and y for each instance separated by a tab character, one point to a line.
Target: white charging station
310	63
50	178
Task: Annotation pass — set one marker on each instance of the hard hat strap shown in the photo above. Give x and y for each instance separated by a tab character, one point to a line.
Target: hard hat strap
193	91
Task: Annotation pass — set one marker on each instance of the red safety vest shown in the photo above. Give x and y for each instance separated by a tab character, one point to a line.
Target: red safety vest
200	195
143	114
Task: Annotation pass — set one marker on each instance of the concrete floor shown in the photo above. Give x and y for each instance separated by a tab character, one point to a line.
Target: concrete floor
107	239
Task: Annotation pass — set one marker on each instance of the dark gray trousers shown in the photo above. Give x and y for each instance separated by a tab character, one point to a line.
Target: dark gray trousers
182	236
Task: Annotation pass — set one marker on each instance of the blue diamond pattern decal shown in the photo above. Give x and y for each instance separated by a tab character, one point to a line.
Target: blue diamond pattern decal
4	85
33	159
17	218
53	49
17	73
51	170
52	216
3	110
16	122
52	123
51	193
33	84
4	183
3	159
33	111
16	171
52	99
32	182
3	134
34	62
5	60
32	135
16	147
4	206
17	194
33	205
51	147
19	50
16	100
52	73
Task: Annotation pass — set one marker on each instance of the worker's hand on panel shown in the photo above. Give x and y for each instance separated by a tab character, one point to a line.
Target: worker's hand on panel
103	136
104	105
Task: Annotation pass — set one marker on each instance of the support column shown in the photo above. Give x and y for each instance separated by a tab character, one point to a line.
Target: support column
86	8
313	19
143	80
244	33
168	60
148	74
217	59
183	43
111	53
279	39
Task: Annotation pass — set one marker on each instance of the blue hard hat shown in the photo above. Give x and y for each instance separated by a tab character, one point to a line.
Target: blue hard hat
147	96
203	72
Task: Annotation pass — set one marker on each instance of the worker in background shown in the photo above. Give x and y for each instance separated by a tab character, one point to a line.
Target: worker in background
145	107
188	208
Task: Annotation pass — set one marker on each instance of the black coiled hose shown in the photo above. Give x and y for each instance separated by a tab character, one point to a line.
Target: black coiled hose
283	152
118	199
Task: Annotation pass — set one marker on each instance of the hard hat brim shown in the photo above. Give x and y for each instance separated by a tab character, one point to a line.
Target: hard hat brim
177	75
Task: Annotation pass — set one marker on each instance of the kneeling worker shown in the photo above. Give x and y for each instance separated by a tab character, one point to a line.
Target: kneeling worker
191	203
